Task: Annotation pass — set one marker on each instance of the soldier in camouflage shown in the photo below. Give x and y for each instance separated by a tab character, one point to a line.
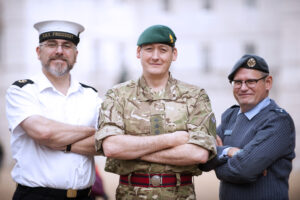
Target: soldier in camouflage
156	130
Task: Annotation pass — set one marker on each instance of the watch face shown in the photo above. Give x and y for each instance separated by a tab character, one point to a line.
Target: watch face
68	148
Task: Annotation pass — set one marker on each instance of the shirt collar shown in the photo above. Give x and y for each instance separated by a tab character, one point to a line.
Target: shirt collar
74	86
254	111
145	93
43	83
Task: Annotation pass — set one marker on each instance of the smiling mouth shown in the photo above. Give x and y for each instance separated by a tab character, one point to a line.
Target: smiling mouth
58	61
61	59
244	95
155	64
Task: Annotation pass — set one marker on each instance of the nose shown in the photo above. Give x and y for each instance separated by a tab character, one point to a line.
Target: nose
155	54
59	49
244	86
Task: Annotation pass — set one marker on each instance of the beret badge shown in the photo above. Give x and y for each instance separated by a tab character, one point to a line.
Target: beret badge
251	62
171	38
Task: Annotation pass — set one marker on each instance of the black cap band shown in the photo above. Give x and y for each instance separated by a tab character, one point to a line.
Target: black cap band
59	35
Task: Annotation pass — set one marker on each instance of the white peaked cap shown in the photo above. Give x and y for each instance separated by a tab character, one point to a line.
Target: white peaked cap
54	27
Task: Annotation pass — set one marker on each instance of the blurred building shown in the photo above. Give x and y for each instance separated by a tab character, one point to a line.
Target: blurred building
212	36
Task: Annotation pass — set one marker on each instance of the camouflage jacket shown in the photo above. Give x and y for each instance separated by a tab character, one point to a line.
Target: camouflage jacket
131	108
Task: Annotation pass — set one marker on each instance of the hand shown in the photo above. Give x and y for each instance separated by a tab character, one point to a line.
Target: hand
232	151
219	141
265	172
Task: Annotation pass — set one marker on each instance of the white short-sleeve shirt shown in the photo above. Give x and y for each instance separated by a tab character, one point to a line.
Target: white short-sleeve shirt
37	165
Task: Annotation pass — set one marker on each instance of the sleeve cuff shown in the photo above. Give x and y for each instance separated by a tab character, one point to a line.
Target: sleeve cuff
205	141
224	155
103	133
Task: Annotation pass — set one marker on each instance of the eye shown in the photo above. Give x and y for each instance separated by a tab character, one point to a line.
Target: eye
237	82
51	44
164	50
148	48
67	45
251	81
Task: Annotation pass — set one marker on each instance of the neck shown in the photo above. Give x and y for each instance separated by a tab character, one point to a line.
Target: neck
157	83
61	83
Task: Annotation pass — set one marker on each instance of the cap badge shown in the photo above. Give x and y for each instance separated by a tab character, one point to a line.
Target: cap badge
251	62
171	38
22	81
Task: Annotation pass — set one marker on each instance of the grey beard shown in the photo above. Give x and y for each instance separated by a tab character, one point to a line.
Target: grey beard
58	71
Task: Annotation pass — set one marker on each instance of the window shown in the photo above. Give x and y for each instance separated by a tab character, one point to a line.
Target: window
96	54
123	73
206	4
249	48
250	3
206	61
166	5
1	28
0	43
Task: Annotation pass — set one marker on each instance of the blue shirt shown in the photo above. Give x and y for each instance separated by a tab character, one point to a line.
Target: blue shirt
254	111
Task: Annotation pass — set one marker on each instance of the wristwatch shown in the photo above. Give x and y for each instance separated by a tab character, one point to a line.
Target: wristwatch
68	148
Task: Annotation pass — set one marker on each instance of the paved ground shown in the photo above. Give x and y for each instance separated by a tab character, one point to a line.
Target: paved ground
206	184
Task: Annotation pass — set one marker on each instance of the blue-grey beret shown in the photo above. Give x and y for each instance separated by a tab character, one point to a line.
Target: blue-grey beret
250	62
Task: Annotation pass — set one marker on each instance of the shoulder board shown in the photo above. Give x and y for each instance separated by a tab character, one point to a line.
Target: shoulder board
279	110
87	86
23	82
235	106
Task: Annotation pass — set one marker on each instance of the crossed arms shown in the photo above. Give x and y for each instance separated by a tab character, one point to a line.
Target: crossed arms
170	148
57	135
188	147
272	142
23	111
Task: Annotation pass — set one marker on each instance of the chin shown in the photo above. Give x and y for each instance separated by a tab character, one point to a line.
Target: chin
154	73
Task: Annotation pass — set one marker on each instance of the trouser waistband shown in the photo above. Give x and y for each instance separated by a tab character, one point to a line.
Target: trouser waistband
156	180
70	193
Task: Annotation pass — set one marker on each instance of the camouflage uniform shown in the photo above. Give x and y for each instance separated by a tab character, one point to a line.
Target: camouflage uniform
131	108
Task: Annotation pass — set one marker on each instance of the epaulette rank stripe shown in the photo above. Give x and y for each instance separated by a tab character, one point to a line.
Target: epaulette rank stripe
234	106
21	83
87	86
280	110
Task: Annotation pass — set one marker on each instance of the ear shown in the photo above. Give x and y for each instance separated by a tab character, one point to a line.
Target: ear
174	54
269	82
38	51
138	52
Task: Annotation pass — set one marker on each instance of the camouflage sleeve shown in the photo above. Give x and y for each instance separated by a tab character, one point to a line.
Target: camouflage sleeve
110	119
202	124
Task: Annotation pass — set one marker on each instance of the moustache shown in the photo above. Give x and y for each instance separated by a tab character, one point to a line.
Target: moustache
58	58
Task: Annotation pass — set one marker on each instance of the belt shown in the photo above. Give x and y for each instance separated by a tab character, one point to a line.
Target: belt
70	193
156	180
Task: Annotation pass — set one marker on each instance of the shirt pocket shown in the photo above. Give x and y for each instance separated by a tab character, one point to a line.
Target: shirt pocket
137	118
176	116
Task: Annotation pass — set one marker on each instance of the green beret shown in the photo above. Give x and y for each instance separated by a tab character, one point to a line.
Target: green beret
157	34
